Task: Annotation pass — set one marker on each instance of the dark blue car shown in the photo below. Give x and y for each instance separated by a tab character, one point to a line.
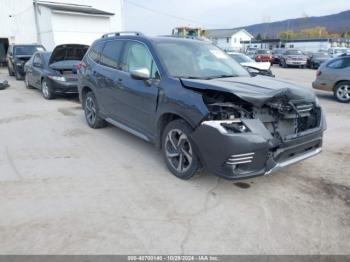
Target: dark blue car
198	105
55	73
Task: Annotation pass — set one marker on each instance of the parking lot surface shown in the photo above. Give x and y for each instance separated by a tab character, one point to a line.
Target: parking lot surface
68	189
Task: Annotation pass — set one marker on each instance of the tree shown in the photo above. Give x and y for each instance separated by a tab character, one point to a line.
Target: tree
258	37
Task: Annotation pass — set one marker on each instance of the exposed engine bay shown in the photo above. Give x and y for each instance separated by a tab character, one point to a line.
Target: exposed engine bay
282	117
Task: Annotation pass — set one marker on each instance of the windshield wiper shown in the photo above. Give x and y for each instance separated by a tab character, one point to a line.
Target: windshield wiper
196	77
223	76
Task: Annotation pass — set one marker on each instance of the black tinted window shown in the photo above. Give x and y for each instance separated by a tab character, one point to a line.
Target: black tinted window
94	53
111	53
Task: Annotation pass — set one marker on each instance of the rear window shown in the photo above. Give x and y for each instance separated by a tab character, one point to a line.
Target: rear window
75	52
111	54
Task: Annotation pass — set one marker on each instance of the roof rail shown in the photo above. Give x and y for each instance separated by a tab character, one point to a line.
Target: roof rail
122	33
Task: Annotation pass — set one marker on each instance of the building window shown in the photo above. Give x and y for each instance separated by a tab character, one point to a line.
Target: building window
227	40
291	46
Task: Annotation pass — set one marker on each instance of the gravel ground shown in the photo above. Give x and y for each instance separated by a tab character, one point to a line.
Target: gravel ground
68	189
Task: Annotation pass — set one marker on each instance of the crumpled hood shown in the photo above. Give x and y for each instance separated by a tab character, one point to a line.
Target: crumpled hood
257	65
255	90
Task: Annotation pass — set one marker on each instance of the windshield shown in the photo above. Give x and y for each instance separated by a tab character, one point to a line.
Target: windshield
277	51
241	58
263	52
193	59
321	55
294	52
27	49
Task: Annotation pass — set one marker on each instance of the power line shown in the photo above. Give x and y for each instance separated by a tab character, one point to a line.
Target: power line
171	15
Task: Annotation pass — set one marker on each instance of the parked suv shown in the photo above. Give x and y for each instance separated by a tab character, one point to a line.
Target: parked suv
293	57
18	55
198	105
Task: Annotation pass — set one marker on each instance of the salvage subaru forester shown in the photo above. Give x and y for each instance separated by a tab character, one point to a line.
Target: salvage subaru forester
198	105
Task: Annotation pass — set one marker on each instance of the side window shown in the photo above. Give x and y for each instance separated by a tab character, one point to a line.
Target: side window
137	56
346	62
111	54
37	60
94	53
339	63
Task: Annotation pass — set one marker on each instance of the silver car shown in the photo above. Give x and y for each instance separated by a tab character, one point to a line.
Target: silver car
334	76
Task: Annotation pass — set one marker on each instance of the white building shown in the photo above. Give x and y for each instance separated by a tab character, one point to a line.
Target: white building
57	22
229	39
309	45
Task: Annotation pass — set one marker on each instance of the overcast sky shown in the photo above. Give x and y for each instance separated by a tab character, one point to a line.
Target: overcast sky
157	17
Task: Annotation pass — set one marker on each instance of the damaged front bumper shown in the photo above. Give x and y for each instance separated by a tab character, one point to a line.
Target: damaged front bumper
254	153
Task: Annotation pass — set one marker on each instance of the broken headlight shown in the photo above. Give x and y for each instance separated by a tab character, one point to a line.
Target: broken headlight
235	127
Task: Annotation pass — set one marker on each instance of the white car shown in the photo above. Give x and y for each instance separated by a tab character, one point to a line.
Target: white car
263	68
337	51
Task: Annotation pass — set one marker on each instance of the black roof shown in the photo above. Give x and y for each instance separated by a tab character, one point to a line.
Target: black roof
86	9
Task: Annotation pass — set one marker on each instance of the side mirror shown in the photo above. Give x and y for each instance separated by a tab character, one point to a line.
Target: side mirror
140	74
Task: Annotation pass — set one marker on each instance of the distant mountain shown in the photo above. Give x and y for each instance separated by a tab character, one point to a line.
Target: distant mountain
336	23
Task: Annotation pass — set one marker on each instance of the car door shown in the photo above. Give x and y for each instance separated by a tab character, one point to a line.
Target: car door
10	57
107	77
29	70
37	69
139	97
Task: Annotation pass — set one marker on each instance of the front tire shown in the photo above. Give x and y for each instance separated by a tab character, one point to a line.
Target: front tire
91	110
342	92
46	90
18	75
178	150
26	82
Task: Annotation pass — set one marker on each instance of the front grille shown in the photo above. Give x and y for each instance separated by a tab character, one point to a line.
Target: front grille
240	159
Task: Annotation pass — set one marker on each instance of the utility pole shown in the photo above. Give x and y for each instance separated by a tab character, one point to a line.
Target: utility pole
38	37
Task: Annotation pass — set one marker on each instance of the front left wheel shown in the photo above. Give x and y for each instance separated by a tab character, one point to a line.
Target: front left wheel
26	81
46	90
178	150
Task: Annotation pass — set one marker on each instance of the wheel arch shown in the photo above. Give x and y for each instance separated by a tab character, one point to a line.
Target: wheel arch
338	82
163	120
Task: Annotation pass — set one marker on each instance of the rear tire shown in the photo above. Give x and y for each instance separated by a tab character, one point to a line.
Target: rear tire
46	91
178	150
342	92
91	110
10	72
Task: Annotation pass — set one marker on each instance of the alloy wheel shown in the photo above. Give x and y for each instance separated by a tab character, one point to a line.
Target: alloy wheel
343	93
178	150
45	89
90	110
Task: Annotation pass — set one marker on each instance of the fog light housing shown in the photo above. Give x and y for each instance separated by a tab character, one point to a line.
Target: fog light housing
236	127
